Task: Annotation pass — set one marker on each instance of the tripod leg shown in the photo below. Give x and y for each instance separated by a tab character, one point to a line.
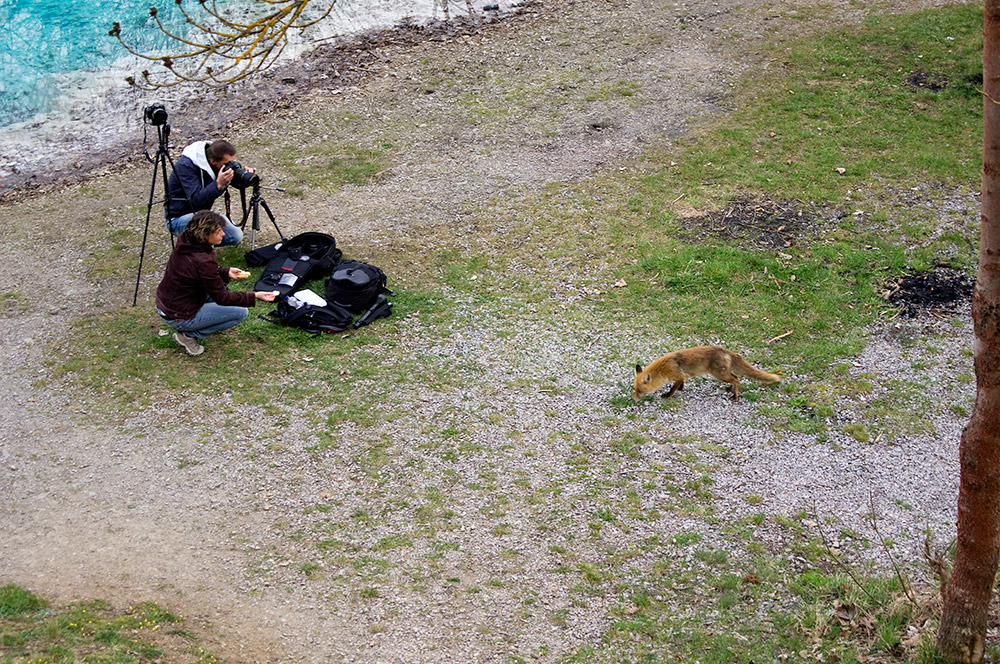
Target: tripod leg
271	217
145	233
255	220
166	195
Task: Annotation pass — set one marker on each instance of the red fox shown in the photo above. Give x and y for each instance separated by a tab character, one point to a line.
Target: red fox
683	364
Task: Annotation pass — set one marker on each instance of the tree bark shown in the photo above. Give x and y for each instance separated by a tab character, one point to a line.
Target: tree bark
962	636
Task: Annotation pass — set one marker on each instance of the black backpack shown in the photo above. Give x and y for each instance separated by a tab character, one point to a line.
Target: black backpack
355	286
310	317
291	263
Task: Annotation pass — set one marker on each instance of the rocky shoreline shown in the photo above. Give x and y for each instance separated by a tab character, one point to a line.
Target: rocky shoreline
106	133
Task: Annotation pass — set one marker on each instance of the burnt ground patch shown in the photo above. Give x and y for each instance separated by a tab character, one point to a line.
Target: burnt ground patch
939	290
760	222
927	80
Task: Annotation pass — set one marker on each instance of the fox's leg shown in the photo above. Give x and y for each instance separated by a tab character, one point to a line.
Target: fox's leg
727	376
734	387
678	385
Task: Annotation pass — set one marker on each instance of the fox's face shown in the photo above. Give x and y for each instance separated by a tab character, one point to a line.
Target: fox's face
644	383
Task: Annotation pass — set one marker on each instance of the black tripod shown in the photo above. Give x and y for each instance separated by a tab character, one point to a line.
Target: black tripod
159	161
252	209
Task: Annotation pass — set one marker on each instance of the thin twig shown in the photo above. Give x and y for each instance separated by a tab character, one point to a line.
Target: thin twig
936	560
840	562
983	93
660	472
885	547
780	336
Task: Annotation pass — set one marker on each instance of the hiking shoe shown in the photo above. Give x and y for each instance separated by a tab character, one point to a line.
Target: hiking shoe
190	344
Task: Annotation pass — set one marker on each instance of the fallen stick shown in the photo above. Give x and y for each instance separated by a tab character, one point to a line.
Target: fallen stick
780	336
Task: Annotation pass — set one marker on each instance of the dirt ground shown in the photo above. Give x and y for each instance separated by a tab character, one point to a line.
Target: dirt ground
90	509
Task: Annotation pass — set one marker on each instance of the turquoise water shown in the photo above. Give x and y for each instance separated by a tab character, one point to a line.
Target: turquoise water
50	49
44	40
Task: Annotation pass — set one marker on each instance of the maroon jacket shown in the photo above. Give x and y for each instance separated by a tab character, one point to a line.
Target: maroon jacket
192	275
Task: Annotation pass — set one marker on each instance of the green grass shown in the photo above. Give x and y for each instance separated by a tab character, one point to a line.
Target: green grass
330	166
16	601
826	295
834	88
830	90
13	303
719	608
92	631
130	358
815	109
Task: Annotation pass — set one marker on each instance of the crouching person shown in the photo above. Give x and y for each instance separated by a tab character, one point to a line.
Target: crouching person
192	298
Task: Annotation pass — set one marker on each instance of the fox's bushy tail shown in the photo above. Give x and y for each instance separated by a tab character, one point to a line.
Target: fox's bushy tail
743	368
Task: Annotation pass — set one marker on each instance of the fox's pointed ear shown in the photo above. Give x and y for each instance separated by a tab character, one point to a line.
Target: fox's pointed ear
638	369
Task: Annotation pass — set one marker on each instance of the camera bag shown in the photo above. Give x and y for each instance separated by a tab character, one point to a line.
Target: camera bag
295	261
355	286
262	255
312	318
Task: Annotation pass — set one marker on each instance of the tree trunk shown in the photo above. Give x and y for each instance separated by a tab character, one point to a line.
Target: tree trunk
962	637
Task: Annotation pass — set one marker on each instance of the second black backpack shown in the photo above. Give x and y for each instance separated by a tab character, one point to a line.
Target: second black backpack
297	260
310	317
355	286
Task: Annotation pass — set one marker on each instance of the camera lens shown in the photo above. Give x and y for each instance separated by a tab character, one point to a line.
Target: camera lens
242	178
156	114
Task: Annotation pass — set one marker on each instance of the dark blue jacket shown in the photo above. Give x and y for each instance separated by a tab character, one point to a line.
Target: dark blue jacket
190	188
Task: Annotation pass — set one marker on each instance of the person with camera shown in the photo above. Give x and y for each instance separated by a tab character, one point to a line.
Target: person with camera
192	298
201	175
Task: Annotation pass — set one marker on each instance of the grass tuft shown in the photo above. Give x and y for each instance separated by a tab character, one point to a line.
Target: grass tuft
92	631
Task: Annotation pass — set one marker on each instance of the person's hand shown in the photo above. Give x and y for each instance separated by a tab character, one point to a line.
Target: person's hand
237	273
266	296
224	178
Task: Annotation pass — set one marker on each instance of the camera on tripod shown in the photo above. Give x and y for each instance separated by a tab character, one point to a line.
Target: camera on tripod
155	114
242	178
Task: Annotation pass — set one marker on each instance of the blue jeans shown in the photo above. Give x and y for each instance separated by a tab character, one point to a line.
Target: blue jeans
233	233
211	318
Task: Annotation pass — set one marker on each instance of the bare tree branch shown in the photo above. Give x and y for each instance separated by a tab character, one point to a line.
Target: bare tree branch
217	49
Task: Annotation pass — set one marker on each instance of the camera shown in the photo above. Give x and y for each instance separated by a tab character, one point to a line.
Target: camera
155	114
242	178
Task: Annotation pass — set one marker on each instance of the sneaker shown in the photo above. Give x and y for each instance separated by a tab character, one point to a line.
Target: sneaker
190	344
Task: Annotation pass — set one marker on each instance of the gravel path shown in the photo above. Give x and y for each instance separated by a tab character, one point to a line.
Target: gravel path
382	548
